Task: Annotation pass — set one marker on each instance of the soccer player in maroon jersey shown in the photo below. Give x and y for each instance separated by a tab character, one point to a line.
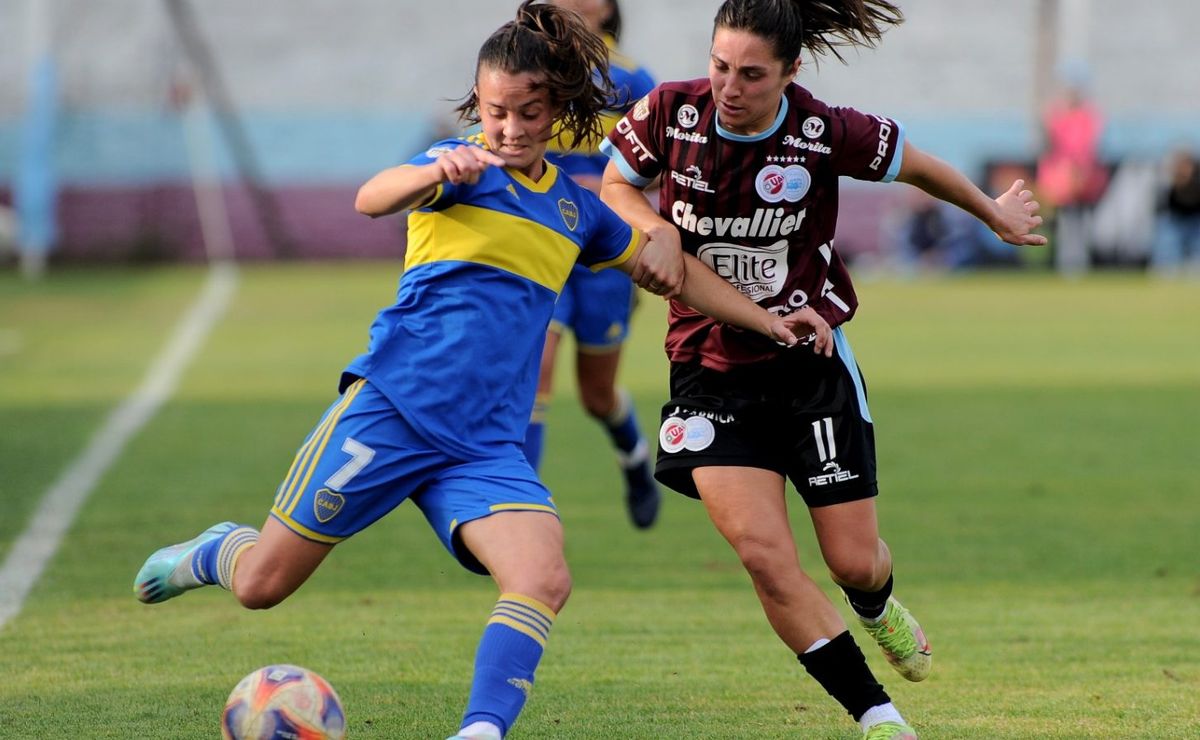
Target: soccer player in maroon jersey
749	163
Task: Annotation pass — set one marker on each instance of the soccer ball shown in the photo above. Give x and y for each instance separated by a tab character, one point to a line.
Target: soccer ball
283	701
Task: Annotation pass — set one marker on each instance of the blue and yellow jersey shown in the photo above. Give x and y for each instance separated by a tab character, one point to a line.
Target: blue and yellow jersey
458	353
631	82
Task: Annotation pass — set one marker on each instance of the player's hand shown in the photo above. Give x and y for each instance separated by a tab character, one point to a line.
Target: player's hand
799	325
464	164
1019	217
660	265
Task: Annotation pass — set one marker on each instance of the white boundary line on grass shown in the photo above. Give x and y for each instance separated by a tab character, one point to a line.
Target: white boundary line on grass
39	542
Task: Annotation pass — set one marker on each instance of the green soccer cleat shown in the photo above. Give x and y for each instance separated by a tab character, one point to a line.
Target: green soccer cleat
890	731
902	641
169	571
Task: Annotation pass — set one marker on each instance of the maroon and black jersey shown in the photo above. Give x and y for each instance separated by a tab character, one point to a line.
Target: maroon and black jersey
759	210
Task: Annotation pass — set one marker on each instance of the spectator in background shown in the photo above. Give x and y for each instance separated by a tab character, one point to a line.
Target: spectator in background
931	234
1177	234
8	230
1070	176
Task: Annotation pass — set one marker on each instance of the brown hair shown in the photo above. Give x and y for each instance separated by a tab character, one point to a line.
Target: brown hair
820	26
550	41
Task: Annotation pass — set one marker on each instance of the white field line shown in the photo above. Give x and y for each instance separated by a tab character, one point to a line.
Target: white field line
39	542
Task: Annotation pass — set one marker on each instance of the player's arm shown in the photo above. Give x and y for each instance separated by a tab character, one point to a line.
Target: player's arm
1012	216
709	293
398	188
661	269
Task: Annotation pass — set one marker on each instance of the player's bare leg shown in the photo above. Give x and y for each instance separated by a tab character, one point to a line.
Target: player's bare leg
261	568
749	508
861	564
523	550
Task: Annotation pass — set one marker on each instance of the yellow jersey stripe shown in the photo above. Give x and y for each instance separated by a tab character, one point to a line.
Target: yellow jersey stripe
287	488
549	177
302	530
319	442
484	236
522	507
304	457
635	239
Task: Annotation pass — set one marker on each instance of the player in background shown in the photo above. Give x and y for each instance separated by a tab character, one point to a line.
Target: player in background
494	232
749	164
596	305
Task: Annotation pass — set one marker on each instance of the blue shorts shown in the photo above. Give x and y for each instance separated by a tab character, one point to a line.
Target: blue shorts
364	459
595	306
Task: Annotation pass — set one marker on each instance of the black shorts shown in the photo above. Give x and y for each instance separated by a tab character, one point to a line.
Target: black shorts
801	415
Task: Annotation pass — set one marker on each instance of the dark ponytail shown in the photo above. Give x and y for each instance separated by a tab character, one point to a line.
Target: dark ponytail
818	26
555	43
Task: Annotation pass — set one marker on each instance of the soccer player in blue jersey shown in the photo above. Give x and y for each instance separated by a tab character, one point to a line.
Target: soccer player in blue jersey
596	305
435	411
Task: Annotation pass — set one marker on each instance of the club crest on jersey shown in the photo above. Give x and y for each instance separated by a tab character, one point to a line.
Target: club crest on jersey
327	504
813	127
570	213
687	115
641	109
775	183
436	151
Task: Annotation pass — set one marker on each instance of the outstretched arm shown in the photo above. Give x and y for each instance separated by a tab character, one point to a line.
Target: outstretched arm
660	269
1012	216
398	188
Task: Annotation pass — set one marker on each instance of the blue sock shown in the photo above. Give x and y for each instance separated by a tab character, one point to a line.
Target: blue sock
213	561
622	425
508	654
535	433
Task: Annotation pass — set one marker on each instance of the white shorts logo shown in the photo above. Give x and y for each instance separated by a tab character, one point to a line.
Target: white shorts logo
672	435
687	115
695	434
699	433
758	272
813	127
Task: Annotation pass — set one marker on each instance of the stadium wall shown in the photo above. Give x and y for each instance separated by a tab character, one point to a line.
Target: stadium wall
328	93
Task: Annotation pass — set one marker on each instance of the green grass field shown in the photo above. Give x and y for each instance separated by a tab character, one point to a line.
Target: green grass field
1039	464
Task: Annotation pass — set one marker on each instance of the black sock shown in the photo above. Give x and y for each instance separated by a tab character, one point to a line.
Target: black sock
841	669
869	604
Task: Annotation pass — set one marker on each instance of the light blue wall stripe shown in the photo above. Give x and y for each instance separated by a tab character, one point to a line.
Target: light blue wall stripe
134	147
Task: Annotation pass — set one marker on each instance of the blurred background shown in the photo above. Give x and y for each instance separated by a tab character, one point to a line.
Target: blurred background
134	131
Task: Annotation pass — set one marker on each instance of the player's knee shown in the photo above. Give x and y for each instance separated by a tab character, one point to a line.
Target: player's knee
765	564
258	593
599	403
862	573
551	586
